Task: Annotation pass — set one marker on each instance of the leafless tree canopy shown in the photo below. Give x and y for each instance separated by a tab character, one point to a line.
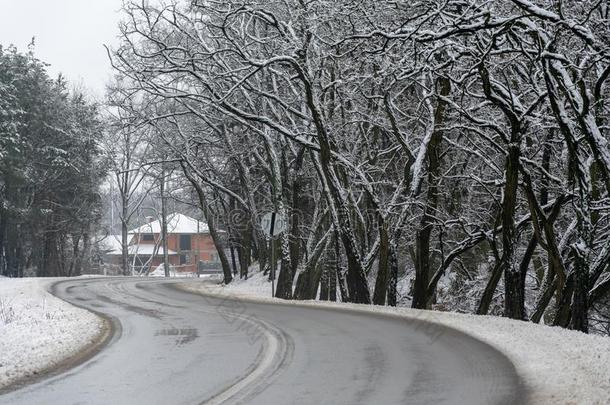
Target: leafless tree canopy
448	154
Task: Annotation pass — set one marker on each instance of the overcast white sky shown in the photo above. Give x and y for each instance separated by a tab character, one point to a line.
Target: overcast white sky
69	35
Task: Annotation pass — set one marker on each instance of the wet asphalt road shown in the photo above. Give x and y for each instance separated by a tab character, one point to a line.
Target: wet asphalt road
175	347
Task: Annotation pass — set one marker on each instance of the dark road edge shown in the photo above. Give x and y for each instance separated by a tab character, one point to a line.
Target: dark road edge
111	331
522	396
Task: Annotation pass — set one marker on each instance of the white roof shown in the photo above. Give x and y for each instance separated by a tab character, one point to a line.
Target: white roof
112	244
176	223
144	249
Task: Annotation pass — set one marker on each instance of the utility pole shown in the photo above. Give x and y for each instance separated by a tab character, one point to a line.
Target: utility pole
164	222
272	268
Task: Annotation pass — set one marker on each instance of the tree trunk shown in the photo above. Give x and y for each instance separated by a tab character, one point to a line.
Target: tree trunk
297	209
393	281
514	295
324	283
381	284
332	280
244	256
357	284
309	279
422	245
164	224
74	263
124	236
548	289
490	289
210	219
3	228
562	314
286	276
85	261
233	262
580	311
339	269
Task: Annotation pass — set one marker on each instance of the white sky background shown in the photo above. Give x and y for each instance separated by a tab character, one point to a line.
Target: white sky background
69	35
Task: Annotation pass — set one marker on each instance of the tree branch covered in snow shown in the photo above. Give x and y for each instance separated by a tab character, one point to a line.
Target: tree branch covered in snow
439	154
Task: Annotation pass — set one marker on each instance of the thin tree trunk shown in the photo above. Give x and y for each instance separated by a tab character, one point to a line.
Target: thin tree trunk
490	289
324	284
548	289
393	281
164	224
124	237
210	219
244	257
233	262
332	281
381	284
514	299
85	260
310	278
357	284
339	270
75	255
562	314
421	299
580	300
3	228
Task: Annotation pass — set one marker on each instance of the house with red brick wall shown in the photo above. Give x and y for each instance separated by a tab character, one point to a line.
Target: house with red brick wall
189	245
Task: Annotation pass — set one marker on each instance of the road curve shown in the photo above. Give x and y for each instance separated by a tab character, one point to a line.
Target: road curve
175	347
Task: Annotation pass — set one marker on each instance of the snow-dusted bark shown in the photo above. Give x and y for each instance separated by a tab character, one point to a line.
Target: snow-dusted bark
332	107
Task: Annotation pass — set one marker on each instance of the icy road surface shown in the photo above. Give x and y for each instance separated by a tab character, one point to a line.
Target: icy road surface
175	347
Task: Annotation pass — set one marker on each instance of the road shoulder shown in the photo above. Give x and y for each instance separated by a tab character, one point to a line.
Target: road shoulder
553	362
43	335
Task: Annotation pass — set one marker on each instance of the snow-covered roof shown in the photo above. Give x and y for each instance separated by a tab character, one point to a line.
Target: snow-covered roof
176	223
112	244
144	249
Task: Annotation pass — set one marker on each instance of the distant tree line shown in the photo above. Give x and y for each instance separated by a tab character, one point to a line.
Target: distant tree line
51	168
442	154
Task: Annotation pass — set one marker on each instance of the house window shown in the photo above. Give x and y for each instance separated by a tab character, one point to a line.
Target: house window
148	237
185	242
184	259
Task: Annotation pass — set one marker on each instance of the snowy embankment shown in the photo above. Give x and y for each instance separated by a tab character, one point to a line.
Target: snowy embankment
558	366
39	331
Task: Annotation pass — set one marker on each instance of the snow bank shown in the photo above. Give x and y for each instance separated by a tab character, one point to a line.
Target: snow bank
257	285
38	330
159	271
558	366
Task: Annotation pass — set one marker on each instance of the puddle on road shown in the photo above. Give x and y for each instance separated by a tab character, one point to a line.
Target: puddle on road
185	335
138	310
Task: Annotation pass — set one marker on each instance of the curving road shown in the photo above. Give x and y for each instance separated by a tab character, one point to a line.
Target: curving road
175	347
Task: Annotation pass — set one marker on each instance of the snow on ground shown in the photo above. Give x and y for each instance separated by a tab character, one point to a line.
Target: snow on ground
159	271
258	285
558	366
38	330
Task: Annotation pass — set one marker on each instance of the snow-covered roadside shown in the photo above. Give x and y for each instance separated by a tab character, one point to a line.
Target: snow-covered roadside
38	330
558	366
